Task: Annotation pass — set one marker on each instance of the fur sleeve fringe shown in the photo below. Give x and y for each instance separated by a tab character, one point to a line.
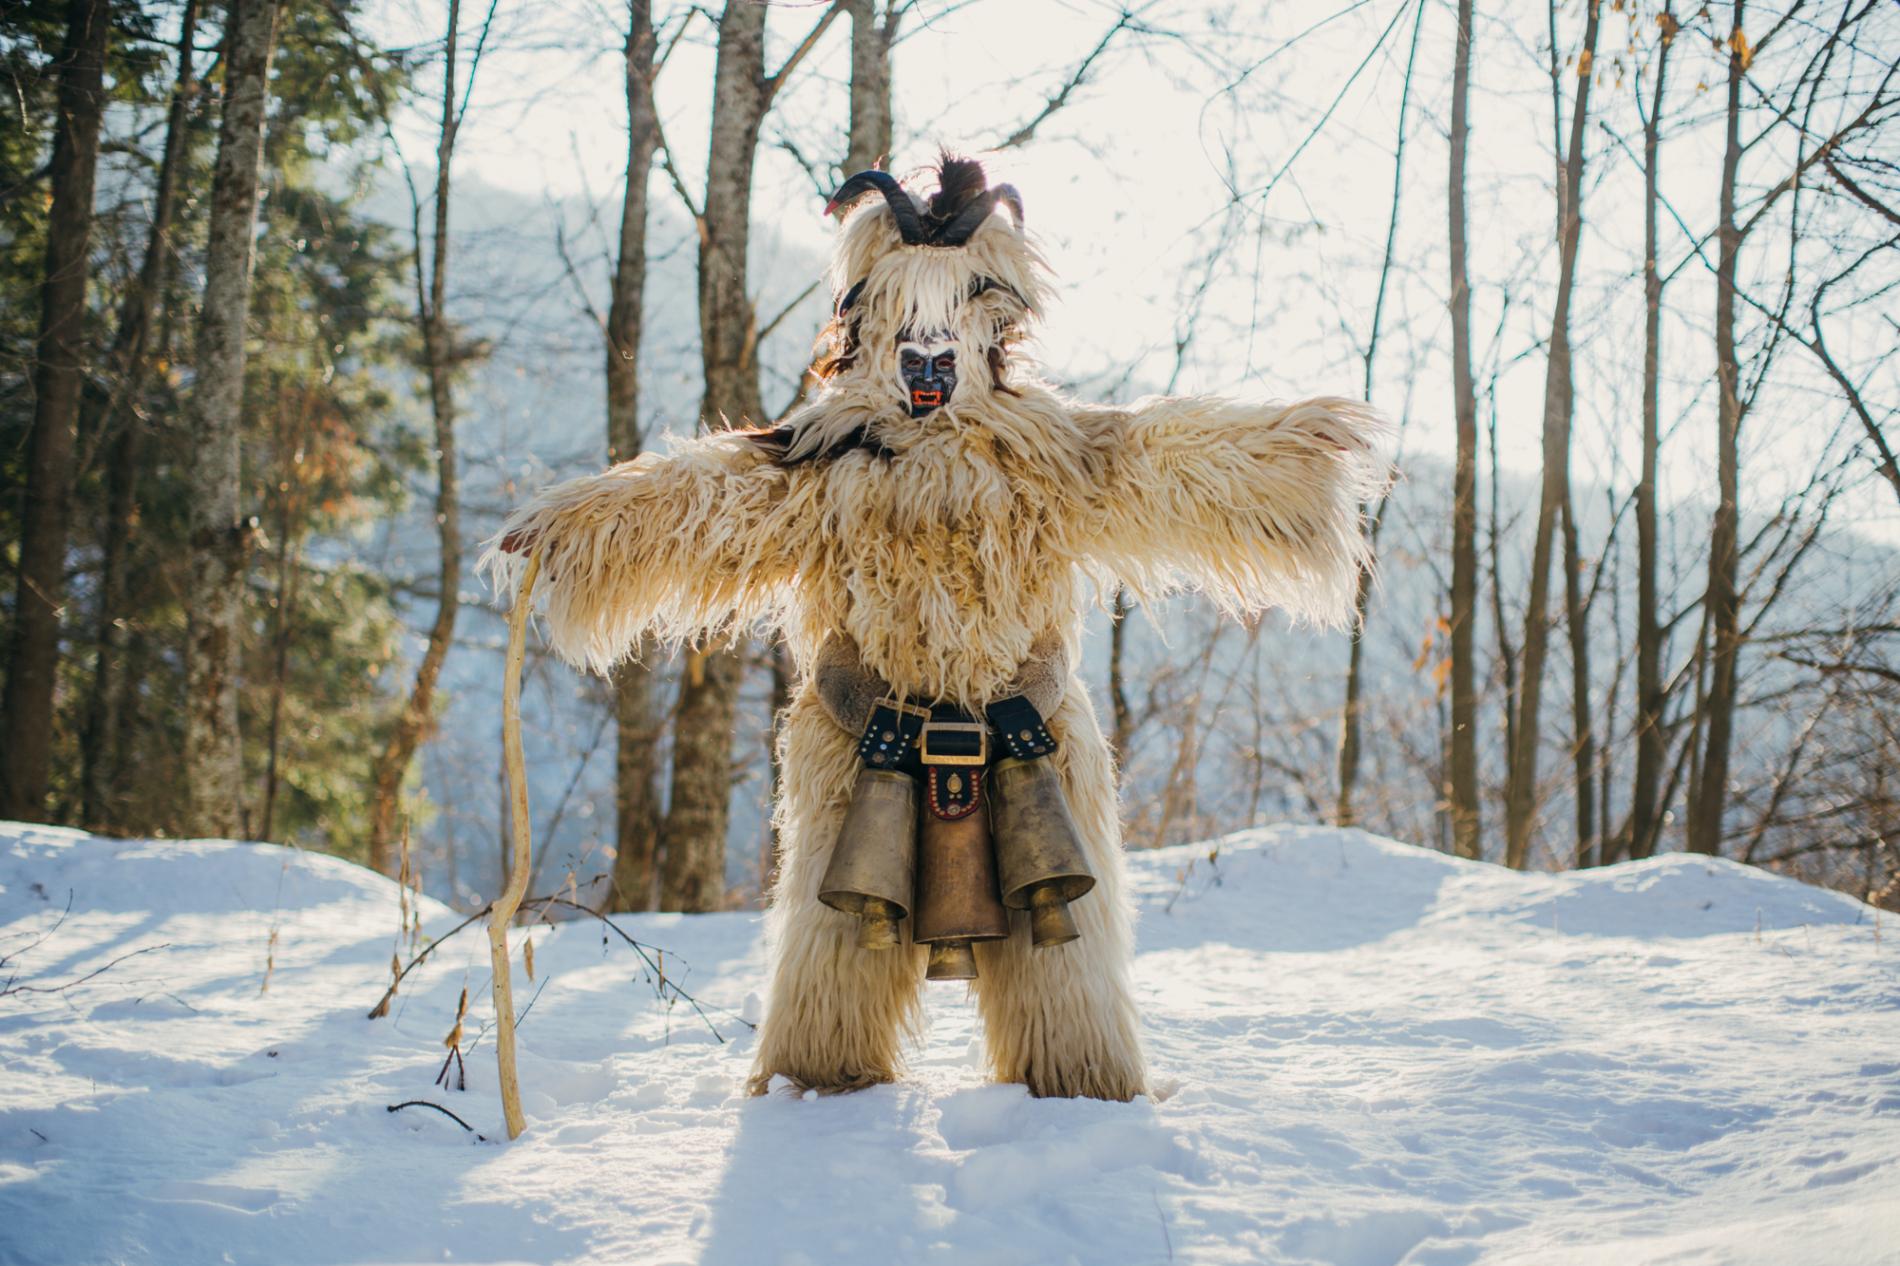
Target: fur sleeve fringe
681	547
1256	505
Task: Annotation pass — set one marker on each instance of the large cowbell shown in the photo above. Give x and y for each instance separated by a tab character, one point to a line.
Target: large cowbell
957	903
872	870
957	878
1038	850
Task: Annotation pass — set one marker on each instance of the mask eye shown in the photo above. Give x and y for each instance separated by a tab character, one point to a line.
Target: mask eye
946	362
911	360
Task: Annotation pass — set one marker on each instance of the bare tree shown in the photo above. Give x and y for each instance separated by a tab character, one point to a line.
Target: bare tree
440	356
220	534
131	363
636	760
694	834
1583	749
1521	796
1722	600
1645	812
869	144
33	663
1347	758
1466	820
1123	720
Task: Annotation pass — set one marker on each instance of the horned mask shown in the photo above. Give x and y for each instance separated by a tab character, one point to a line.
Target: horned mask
932	292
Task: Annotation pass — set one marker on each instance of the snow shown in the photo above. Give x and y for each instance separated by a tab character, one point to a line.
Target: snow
1366	1054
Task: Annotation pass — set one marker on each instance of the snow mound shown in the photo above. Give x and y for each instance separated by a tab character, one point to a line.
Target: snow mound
1365	1054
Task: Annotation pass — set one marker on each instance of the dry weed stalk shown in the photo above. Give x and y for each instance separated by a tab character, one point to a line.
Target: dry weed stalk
1182	876
454	1042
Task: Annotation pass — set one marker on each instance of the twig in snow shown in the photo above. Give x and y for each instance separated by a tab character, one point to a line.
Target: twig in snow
1213	861
665	987
42	937
662	984
483	1031
424	1103
11	988
381	1009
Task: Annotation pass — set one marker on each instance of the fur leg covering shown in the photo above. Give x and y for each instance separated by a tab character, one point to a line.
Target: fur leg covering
837	1016
1062	1020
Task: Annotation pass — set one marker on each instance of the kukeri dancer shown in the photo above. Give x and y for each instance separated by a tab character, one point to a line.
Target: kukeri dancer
925	532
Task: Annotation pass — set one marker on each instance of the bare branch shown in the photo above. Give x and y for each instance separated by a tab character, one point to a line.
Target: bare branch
10	988
1076	78
775	82
424	1103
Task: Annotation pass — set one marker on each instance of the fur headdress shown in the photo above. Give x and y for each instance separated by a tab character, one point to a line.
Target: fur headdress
956	263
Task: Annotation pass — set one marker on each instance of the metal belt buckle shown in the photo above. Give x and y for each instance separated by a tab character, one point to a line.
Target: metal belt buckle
981	756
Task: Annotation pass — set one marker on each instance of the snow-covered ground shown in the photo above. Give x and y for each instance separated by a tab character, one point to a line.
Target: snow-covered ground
1368	1053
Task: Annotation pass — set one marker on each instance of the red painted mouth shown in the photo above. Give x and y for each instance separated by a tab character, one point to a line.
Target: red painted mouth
926	397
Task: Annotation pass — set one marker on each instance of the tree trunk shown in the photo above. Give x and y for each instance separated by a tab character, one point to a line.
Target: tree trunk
393	765
1350	719
1723	603
870	138
1500	623
106	708
283	623
1521	803
1123	716
695	831
867	144
693	876
1584	747
636	759
1645	812
57	381
1347	754
219	536
784	675
1466	813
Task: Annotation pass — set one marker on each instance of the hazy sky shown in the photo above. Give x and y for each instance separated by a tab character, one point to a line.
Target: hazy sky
1134	181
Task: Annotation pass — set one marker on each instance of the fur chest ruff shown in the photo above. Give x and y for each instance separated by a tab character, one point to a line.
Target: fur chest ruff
940	560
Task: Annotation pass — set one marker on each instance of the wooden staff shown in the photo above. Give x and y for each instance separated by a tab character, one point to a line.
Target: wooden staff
522	846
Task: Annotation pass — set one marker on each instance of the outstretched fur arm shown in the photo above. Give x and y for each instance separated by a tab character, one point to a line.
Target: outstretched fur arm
1258	505
680	546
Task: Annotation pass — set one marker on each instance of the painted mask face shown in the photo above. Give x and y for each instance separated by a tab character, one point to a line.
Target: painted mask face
928	367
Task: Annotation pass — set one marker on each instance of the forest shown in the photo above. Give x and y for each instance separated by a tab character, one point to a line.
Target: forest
298	298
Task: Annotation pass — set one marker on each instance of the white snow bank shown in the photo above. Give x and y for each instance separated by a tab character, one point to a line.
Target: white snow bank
1375	1054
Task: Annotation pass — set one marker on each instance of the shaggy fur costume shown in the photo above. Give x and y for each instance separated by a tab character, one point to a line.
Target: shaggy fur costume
951	550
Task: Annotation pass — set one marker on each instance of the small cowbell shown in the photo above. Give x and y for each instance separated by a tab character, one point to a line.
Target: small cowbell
1038	850
873	865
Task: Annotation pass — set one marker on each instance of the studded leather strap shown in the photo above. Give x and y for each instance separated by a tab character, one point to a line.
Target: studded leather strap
1020	728
890	737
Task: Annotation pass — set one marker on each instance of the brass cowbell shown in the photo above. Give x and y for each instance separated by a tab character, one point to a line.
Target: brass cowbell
1038	850
873	865
957	901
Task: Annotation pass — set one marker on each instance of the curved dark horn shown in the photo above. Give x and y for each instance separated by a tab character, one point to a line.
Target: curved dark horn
1007	195
902	208
958	231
